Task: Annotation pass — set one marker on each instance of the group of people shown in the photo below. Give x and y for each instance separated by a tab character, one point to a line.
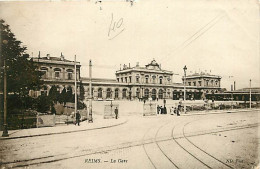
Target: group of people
161	110
175	110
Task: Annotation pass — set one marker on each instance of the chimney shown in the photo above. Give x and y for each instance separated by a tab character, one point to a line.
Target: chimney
48	56
61	56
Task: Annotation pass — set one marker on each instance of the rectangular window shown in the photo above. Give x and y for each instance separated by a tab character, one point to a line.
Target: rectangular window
57	74
69	75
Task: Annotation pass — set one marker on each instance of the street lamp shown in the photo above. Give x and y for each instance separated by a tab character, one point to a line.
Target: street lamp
184	81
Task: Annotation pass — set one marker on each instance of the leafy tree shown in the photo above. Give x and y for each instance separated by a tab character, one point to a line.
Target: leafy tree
63	96
69	95
54	94
43	104
81	91
22	73
53	111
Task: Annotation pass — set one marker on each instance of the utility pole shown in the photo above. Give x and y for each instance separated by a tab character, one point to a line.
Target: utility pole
5	131
90	120
75	67
250	97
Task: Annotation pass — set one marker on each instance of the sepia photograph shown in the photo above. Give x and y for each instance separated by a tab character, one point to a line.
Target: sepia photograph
129	84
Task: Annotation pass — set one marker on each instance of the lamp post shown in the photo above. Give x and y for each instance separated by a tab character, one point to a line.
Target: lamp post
184	81
75	81
90	120
250	95
5	131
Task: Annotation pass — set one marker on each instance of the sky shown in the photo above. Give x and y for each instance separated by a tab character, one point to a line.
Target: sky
220	37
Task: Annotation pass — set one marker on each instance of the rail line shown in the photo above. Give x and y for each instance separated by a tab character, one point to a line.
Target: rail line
186	149
161	148
200	148
149	158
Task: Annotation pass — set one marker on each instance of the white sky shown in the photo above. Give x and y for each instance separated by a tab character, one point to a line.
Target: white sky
221	36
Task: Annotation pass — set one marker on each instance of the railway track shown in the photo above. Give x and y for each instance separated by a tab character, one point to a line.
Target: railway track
145	142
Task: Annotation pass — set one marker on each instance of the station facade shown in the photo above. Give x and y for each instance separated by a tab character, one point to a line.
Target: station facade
137	82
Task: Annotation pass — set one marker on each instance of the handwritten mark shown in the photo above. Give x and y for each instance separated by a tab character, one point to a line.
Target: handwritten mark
115	28
100	8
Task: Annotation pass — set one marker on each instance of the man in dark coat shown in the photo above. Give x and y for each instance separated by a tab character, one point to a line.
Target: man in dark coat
116	112
78	118
178	110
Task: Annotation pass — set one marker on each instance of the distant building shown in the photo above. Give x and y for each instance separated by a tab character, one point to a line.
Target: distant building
204	81
150	81
57	71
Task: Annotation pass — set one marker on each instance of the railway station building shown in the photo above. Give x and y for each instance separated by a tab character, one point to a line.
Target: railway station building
136	82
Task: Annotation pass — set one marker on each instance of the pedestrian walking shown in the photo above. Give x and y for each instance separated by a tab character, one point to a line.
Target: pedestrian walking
178	110
116	112
78	118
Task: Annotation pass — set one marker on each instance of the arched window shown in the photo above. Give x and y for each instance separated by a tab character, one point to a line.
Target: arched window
137	79
99	93
109	93
147	79
146	93
116	93
160	94
124	93
154	78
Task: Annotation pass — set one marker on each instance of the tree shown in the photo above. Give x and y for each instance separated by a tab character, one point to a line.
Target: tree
22	73
69	95
81	91
63	96
54	94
